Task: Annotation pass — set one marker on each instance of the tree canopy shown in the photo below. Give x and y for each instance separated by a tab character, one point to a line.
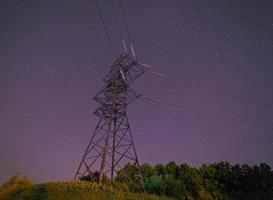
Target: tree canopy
221	181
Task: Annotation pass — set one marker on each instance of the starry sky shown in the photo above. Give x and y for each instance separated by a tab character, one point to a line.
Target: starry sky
53	55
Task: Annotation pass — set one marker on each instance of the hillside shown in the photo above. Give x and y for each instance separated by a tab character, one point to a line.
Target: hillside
74	190
210	181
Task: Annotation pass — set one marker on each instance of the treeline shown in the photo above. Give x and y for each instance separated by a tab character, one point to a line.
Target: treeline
219	181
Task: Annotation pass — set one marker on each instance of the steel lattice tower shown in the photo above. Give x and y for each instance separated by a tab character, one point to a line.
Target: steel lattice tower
111	145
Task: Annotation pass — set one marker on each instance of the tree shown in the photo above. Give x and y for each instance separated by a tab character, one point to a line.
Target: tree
191	179
129	175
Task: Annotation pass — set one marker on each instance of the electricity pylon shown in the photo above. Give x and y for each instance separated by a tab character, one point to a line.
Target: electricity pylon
111	145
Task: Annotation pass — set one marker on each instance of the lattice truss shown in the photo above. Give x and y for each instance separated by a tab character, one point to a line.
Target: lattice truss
111	145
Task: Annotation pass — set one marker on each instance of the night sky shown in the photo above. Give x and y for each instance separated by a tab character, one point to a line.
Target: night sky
53	55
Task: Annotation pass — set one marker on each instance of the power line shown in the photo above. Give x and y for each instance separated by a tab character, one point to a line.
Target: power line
225	92
222	91
124	20
104	25
127	28
217	115
119	25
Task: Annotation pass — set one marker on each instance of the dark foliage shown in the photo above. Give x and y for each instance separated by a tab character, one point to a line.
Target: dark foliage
94	177
213	181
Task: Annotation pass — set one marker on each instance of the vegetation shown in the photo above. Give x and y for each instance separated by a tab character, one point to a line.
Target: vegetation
22	189
218	181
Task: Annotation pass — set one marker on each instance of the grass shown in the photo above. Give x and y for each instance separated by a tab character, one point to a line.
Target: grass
74	190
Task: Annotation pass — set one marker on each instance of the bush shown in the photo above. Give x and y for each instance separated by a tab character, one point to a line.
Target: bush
14	183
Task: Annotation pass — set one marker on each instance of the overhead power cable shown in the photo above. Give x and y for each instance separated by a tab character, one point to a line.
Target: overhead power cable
127	28
222	91
124	20
119	26
217	115
104	25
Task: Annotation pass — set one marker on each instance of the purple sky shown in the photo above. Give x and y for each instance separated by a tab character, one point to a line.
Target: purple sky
53	55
